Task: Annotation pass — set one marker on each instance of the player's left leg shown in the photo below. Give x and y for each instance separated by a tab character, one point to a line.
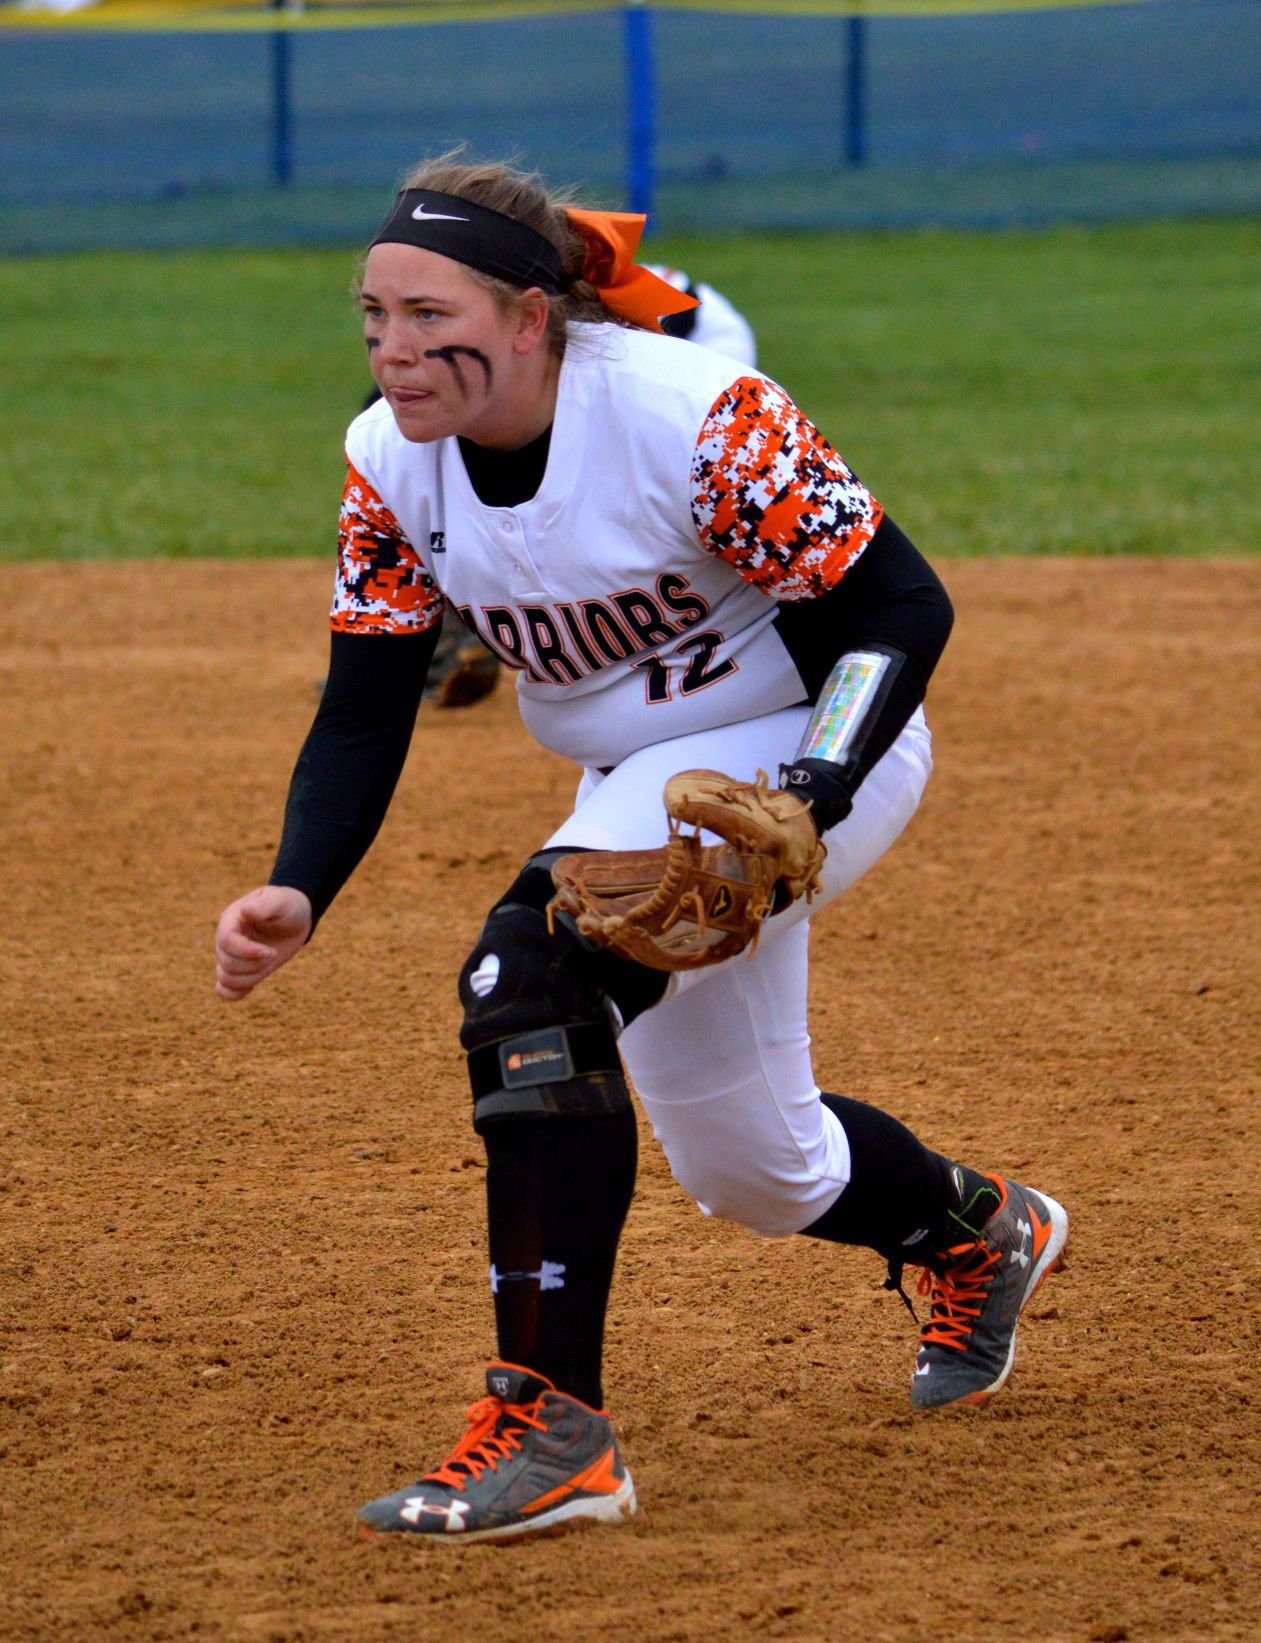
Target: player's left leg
723	1072
722	1066
722	1062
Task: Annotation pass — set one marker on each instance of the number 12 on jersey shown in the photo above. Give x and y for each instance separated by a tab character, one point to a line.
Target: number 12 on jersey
701	669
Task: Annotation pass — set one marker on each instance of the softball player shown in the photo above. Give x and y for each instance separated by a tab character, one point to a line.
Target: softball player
683	573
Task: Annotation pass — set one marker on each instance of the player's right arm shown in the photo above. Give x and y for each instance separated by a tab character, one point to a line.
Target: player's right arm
387	613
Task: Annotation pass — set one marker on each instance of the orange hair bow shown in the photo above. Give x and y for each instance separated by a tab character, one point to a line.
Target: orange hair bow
632	292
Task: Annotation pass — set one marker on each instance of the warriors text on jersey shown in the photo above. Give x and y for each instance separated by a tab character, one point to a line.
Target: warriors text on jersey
636	592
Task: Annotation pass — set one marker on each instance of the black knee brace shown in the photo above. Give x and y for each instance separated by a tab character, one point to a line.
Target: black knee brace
538	1027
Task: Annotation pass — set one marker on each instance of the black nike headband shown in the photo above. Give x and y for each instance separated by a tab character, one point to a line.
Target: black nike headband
474	235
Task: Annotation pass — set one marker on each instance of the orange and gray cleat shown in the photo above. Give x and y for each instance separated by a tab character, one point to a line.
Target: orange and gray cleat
532	1461
977	1291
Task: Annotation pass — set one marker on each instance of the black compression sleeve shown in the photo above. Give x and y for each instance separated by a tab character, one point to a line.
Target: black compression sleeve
351	760
890	601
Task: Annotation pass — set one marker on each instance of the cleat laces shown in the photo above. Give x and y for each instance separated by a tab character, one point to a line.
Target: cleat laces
494	1433
956	1294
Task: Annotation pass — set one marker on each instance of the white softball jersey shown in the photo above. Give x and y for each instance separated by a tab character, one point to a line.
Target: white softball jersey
635	594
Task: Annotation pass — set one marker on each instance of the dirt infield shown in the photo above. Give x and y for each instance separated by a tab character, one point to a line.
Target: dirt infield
242	1277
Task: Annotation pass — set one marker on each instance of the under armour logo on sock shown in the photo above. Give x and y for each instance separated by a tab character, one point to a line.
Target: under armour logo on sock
551	1275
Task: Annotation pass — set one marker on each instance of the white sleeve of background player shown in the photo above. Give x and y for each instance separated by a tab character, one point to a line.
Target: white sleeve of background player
772	498
721	326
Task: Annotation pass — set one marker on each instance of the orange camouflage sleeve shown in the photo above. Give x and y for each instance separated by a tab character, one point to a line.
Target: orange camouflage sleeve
381	586
771	496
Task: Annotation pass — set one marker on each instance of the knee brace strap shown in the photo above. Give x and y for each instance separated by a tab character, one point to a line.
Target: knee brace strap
538	1022
563	1072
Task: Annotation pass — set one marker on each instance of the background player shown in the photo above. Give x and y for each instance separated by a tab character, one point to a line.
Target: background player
715	322
684	573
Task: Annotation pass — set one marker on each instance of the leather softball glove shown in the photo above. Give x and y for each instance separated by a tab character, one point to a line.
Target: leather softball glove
686	904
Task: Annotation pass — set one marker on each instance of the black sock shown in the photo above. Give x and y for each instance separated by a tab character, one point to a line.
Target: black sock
902	1199
557	1193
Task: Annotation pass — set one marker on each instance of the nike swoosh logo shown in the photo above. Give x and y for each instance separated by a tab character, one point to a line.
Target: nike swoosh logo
436	216
1041	1231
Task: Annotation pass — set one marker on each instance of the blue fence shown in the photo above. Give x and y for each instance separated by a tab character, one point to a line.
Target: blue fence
708	119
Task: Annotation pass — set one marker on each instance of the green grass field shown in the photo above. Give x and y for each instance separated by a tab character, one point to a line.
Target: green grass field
1073	391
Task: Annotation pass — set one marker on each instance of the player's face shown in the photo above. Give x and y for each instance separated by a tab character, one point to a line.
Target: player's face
446	355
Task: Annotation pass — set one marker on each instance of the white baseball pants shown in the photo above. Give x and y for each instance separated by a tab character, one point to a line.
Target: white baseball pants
722	1063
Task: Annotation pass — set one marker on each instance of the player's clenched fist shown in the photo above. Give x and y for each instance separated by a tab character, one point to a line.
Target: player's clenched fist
256	935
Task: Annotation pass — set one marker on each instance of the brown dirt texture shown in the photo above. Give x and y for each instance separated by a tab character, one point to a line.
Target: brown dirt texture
242	1271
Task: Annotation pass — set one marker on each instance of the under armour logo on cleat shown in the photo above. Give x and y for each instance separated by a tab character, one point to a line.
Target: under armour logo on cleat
1026	1234
416	1507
